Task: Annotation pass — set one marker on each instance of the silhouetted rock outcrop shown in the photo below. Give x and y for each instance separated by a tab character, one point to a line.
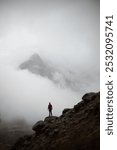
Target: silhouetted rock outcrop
76	129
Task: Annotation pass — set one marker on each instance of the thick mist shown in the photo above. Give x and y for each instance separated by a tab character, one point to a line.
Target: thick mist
65	33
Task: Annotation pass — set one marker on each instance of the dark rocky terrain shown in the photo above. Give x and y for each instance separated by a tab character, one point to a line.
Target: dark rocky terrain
76	129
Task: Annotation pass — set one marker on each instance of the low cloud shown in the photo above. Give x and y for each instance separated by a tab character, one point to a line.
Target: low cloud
65	34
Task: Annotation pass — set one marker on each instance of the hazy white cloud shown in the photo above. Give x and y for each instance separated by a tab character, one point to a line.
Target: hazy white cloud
24	94
64	33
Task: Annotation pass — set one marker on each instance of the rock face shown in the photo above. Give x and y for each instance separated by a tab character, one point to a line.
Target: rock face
76	129
60	75
37	66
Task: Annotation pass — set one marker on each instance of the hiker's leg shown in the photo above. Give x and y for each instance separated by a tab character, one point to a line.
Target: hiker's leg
50	113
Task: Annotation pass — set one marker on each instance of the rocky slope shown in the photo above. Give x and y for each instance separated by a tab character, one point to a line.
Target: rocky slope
76	129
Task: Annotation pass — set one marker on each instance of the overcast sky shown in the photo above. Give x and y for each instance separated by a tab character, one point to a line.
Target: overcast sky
63	32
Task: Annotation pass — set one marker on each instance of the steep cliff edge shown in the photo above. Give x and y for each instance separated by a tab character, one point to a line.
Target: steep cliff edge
76	129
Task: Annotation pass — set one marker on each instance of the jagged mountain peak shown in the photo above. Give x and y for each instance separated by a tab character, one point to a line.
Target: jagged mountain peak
33	60
35	57
36	65
57	74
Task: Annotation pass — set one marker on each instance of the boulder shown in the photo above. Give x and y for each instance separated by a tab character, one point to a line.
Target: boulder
89	96
50	119
65	111
78	106
38	126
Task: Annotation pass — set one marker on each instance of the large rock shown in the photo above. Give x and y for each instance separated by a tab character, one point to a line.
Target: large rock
66	110
50	119
78	106
38	126
89	96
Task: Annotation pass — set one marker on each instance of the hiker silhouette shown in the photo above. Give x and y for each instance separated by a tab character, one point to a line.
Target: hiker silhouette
50	109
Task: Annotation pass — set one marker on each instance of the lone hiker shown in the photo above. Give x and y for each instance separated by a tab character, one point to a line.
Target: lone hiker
50	109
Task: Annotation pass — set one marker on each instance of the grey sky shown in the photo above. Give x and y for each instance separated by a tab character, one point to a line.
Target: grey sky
64	33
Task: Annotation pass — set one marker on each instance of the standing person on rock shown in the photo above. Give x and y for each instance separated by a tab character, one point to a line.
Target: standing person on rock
50	109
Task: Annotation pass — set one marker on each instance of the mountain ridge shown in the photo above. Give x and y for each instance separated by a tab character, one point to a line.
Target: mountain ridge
78	128
36	65
60	76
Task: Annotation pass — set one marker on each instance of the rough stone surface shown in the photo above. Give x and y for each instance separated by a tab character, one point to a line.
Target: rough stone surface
65	111
88	97
76	129
38	126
